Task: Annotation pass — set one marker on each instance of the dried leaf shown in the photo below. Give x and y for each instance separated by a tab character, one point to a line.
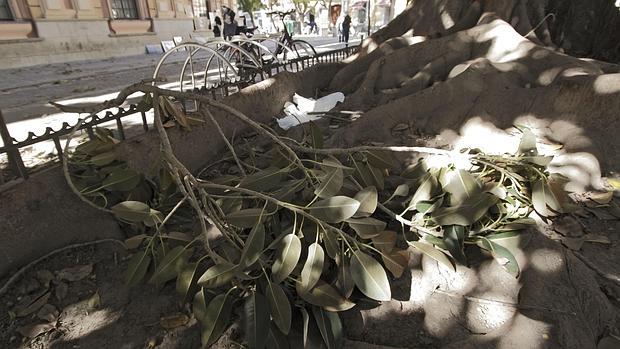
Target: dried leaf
187	280
385	241
396	262
426	190
35	330
48	313
173	321
602	198
32	306
76	273
94	302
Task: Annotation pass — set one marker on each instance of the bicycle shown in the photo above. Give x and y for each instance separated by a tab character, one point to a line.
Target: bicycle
286	40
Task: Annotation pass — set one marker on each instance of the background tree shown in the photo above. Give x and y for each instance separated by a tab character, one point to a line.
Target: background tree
250	5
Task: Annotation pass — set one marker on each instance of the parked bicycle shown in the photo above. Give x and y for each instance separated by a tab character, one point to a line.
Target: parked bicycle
301	48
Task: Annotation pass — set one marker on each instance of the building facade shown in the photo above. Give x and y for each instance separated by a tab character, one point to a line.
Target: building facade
49	31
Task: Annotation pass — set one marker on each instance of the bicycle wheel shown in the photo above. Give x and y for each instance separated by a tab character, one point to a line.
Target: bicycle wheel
302	48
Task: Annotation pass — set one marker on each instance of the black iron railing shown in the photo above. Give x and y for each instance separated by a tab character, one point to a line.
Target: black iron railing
12	147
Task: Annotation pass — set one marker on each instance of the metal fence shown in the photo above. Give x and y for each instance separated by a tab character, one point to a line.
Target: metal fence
16	169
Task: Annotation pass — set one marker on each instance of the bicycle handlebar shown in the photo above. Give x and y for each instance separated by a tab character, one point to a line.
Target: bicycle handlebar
280	13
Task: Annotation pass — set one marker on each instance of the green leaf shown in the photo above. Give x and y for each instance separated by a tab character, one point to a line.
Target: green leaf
426	207
543	198
416	171
187	280
137	267
286	257
344	281
367	198
324	295
264	180
313	267
362	173
218	275
201	300
103	158
501	254
528	143
324	325
401	190
377	177
254	245
248	218
280	306
330	240
288	190
317	136
171	265
520	223
256	311
276	339
454	239
512	240
461	185
426	190
466	213
132	211
432	252
366	228
382	159
369	276
330	183
121	180
216	319
335	209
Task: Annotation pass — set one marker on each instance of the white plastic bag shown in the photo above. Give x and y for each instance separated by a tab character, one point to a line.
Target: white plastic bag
297	112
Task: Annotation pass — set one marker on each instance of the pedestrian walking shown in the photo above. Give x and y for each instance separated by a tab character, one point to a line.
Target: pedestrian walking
217	28
346	26
230	27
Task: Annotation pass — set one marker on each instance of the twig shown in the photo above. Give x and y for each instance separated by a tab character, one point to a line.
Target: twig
501	303
56	251
601	273
65	169
230	146
396	149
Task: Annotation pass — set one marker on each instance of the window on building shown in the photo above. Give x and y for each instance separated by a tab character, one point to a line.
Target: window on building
200	7
122	9
5	10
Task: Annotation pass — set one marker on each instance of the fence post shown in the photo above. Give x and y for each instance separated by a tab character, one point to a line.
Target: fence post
15	159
